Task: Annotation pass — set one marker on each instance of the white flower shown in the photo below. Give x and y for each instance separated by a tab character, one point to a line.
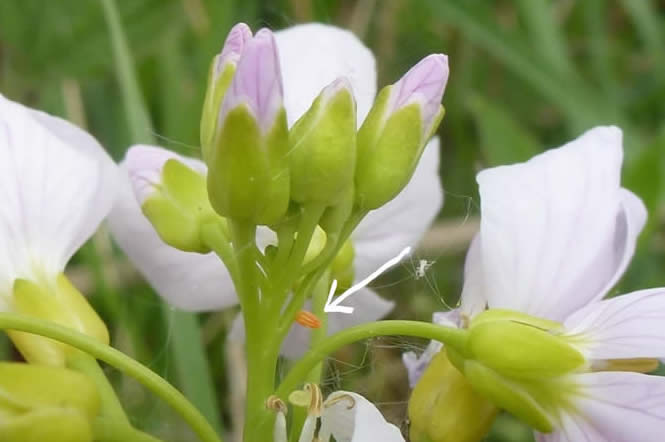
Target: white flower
311	57
57	184
346	416
556	234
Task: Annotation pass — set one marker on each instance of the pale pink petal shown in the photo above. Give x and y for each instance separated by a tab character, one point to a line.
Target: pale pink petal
349	417
314	55
628	326
257	82
402	222
424	83
56	184
234	45
190	281
617	407
556	230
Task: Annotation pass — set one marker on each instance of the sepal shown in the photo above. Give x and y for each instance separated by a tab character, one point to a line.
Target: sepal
59	302
444	408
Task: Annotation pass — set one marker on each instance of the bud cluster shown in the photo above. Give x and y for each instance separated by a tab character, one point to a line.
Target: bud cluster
258	167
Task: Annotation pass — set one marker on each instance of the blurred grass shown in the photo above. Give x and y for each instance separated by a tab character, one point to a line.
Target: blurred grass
525	75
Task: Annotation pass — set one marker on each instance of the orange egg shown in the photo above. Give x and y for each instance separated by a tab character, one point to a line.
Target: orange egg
308	319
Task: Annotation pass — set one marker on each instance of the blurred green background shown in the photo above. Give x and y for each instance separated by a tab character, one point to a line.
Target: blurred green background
525	75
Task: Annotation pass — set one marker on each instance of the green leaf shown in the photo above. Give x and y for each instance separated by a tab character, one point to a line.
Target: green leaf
503	139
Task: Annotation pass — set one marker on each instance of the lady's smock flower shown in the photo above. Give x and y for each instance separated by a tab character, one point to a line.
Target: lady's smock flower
556	234
57	185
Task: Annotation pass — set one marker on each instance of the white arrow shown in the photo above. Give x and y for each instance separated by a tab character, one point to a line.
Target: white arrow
333	305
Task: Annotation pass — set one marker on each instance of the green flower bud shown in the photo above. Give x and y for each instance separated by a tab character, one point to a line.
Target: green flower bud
49	424
444	408
322	149
221	72
39	403
59	302
179	207
393	136
248	174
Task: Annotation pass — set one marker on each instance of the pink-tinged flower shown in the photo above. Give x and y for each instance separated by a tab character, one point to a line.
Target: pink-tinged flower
556	234
311	57
257	82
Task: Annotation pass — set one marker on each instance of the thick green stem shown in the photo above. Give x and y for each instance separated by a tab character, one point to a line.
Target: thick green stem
111	407
448	335
261	359
117	359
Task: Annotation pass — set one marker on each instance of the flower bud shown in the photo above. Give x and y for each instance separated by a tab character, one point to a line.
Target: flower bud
172	195
322	146
58	302
444	408
221	72
394	134
248	175
46	403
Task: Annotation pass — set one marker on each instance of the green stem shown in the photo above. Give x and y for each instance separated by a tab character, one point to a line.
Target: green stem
448	335
109	430
111	407
292	270
117	359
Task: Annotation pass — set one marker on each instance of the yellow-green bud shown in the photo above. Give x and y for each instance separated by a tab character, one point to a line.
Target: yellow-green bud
322	150
58	301
393	136
444	408
248	174
179	207
39	403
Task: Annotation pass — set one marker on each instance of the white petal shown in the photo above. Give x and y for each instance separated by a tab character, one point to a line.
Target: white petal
368	307
56	184
403	221
558	229
144	166
313	55
349	417
473	299
190	281
617	407
628	326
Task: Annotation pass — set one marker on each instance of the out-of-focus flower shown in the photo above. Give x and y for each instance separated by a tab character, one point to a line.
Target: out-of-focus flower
556	234
57	185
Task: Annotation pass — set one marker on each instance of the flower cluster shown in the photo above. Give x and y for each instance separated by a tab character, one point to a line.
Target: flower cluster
309	180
